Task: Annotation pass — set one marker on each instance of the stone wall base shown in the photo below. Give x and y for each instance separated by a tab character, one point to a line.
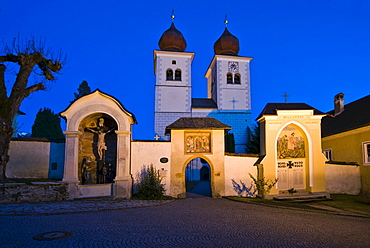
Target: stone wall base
123	188
33	192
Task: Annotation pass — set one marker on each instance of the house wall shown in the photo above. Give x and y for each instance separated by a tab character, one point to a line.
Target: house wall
151	152
237	168
347	146
343	179
28	159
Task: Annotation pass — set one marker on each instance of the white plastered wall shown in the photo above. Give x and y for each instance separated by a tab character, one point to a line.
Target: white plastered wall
238	168
149	152
28	159
342	179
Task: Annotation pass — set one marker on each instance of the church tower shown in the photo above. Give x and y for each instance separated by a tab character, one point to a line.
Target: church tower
228	79
172	68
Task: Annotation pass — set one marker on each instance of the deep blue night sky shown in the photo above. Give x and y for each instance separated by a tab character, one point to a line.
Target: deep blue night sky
310	49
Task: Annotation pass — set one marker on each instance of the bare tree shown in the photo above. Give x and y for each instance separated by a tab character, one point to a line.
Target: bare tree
26	57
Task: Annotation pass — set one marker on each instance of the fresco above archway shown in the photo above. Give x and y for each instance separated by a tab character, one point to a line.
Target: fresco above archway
291	143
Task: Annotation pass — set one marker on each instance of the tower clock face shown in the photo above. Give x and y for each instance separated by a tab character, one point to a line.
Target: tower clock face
233	66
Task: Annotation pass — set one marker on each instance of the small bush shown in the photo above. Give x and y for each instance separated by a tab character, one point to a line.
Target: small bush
263	186
149	185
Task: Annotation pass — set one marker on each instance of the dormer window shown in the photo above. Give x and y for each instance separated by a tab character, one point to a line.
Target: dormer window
169	74
178	75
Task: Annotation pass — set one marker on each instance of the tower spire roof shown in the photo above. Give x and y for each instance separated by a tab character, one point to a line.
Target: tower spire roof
172	39
227	44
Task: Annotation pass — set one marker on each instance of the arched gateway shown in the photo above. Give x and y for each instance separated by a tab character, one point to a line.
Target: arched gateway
197	137
97	153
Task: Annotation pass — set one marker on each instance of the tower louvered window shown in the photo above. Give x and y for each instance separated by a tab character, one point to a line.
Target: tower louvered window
169	74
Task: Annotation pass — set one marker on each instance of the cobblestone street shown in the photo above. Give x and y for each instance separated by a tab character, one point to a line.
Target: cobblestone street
192	222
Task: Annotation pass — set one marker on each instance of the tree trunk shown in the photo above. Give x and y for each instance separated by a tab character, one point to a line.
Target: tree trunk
6	132
9	106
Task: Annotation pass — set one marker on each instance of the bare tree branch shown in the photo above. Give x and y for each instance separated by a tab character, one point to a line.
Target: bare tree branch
9	58
27	54
33	88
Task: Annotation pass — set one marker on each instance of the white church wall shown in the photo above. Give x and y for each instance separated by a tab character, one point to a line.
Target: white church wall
152	152
28	159
235	98
343	179
177	99
201	112
237	168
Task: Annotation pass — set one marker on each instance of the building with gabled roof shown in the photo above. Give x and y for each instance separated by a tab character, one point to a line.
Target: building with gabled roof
290	136
346	135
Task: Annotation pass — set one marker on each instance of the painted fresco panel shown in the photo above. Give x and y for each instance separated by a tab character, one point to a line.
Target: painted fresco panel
198	142
291	143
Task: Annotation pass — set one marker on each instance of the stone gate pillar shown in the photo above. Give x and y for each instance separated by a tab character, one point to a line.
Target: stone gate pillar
71	163
71	157
123	180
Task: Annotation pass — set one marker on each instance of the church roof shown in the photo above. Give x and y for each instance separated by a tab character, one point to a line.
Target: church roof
197	123
355	115
203	103
272	108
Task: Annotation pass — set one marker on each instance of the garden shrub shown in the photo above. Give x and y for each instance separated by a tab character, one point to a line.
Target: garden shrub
149	185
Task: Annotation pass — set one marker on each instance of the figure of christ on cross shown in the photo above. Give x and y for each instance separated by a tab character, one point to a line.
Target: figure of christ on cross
101	132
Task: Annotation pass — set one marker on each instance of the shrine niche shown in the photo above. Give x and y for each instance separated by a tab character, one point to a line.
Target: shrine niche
197	142
97	150
291	154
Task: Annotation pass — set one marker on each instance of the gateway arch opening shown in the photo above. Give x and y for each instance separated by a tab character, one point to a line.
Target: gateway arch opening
197	178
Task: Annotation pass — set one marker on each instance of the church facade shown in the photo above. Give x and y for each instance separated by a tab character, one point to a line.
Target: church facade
228	86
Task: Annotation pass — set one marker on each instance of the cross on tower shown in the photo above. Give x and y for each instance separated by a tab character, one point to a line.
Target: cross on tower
286	97
157	137
233	101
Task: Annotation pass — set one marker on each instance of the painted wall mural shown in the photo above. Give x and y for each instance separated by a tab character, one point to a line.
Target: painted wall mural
291	143
197	142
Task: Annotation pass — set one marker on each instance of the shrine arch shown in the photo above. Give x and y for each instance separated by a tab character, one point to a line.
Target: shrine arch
293	149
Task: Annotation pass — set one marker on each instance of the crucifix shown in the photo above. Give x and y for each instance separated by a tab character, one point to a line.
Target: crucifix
233	101
286	97
101	131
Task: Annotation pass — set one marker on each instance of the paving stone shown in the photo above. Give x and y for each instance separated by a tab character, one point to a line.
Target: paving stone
191	222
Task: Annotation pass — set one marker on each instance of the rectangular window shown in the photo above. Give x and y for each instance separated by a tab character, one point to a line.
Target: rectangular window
328	154
366	152
54	166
